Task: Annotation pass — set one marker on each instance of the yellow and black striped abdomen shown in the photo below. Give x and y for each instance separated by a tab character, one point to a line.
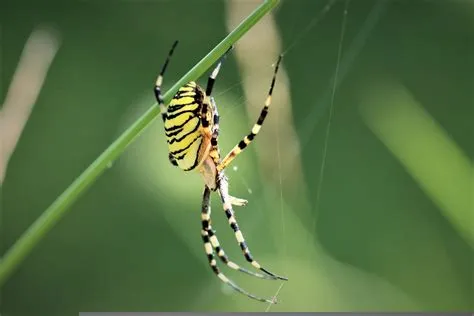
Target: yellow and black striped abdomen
183	126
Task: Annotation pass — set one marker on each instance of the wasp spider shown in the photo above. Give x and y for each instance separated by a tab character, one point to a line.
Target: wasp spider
191	124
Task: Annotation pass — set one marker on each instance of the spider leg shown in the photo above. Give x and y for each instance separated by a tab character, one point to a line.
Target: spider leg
256	128
205	115
206	225
221	276
215	153
159	82
223	187
225	259
215	72
209	240
172	160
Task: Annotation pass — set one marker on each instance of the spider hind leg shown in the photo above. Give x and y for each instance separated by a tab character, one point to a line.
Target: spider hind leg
221	276
223	188
212	247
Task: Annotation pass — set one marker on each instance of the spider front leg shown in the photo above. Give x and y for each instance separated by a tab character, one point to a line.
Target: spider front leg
159	95
215	153
223	188
255	129
159	82
205	119
211	246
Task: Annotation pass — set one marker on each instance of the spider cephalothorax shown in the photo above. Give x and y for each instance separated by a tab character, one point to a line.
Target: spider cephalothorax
191	124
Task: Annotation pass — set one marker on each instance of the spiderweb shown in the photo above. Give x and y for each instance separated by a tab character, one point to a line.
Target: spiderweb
279	147
335	80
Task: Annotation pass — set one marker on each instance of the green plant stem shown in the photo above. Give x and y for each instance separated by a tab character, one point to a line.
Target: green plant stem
32	236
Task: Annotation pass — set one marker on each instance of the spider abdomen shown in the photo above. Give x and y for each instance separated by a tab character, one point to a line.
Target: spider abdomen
183	126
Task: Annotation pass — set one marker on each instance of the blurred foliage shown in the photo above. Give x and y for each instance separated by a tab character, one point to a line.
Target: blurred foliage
132	242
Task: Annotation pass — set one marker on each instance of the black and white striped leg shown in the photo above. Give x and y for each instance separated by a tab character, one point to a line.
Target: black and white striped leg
172	160
255	129
214	73
159	82
206	225
221	276
215	152
225	259
223	188
215	125
209	87
210	251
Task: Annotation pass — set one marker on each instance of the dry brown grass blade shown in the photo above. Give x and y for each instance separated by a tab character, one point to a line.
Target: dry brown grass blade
28	79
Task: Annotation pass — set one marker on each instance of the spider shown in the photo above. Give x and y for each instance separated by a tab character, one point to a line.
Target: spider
191	124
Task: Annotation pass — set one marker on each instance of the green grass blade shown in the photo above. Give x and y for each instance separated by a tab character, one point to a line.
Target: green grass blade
32	236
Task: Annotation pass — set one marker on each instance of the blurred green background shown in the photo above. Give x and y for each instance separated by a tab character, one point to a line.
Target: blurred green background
387	237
